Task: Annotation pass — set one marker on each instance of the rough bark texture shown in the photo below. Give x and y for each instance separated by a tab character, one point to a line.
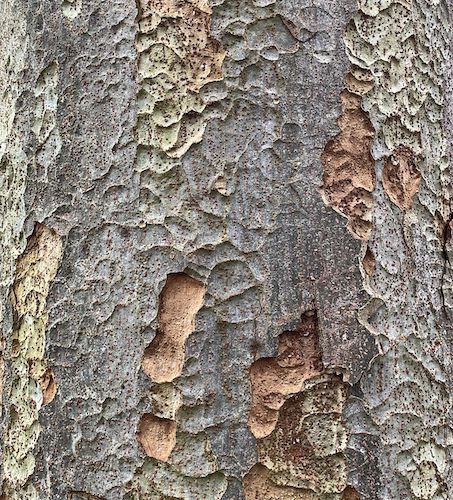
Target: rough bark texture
225	239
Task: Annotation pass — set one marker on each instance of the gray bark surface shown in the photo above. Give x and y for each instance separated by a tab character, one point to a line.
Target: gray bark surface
225	249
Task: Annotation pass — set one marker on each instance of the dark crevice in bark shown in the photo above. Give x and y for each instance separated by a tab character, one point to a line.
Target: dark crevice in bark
446	239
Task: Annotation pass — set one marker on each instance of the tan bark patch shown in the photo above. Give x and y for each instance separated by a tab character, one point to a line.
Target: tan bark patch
273	380
401	178
180	300
48	386
258	485
369	262
349	177
157	436
350	494
296	415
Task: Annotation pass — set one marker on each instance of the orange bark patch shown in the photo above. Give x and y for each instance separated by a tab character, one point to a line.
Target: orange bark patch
180	300
349	177
157	436
273	380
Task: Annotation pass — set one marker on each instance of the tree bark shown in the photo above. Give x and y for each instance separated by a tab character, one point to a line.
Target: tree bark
226	243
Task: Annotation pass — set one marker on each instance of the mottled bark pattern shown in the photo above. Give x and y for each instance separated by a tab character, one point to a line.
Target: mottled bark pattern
32	383
405	393
211	329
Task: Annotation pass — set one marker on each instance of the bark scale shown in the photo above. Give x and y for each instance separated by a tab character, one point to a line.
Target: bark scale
183	314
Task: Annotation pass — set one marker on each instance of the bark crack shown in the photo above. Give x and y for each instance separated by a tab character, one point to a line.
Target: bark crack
446	238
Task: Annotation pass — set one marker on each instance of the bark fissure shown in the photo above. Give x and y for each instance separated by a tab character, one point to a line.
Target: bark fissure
446	243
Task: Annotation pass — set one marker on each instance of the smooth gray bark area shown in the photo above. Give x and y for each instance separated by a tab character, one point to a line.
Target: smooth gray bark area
182	315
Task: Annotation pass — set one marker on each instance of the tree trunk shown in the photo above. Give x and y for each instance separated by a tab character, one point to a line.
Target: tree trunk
225	249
